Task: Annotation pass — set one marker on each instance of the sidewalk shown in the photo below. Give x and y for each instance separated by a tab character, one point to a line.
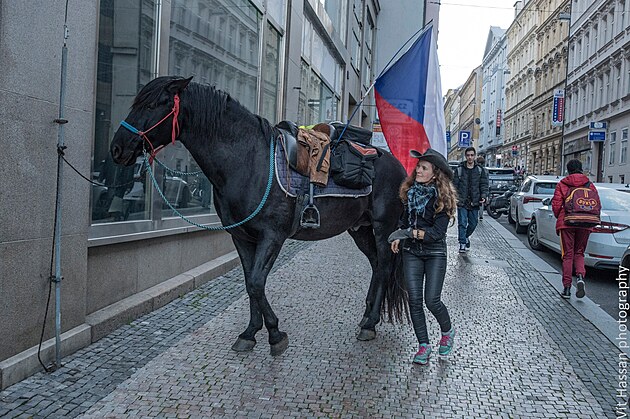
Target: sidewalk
521	350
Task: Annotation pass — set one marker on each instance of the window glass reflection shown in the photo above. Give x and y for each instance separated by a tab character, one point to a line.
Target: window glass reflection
126	36
216	42
271	74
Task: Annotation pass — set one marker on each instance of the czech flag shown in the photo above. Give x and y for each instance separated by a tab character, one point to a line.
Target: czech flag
409	102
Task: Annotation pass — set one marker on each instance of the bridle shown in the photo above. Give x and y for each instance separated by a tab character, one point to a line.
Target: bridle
143	134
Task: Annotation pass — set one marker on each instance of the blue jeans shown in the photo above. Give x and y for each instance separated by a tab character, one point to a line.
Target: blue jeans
467	220
425	273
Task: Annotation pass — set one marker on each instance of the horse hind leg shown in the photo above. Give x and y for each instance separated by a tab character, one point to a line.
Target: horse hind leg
366	242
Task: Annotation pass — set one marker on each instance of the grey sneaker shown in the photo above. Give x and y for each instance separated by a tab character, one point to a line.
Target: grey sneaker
462	248
566	293
581	291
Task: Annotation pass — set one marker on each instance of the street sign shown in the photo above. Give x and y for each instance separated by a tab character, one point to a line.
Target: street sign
448	139
464	139
597	135
557	114
598	125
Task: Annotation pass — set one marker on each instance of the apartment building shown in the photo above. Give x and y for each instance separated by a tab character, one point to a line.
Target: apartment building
549	77
519	89
469	108
494	71
303	60
451	118
598	89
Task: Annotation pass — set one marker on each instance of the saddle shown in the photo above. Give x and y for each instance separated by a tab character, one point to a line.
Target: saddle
308	150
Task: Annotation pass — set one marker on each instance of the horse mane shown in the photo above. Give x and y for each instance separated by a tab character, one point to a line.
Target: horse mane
206	106
212	109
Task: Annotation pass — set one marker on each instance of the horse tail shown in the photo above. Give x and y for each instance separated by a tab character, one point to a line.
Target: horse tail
395	302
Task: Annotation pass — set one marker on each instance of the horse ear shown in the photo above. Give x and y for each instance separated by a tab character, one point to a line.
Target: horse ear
176	86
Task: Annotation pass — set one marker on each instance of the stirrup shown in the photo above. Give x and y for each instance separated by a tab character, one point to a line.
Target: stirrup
310	217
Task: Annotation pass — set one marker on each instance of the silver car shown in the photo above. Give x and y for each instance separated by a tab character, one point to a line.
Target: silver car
529	196
607	242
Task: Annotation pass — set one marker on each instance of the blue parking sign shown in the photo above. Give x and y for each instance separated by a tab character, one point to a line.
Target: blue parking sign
464	139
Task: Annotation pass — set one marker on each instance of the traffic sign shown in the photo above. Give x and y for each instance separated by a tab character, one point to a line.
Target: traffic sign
464	139
597	135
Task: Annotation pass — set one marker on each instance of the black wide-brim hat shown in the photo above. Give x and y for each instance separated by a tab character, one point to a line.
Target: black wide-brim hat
435	158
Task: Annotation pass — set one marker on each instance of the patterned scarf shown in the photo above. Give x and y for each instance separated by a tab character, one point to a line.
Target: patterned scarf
418	196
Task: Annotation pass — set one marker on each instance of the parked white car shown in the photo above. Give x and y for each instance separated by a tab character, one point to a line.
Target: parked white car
607	242
529	196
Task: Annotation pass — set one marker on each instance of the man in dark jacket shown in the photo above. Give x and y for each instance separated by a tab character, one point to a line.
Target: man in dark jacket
573	240
471	183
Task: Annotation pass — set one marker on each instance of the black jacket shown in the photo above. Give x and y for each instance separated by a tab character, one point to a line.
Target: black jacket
434	226
471	185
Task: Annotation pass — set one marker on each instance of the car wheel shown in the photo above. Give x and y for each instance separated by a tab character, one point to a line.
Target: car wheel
626	262
510	219
519	228
532	236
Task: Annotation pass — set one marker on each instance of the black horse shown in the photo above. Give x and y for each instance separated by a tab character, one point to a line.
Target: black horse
231	146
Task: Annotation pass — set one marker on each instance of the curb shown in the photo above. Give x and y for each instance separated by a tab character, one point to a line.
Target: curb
604	322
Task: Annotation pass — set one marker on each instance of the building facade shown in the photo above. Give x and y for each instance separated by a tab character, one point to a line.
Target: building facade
519	89
451	120
469	108
494	71
121	248
598	89
549	79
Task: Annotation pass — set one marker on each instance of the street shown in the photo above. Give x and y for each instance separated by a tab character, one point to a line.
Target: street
601	286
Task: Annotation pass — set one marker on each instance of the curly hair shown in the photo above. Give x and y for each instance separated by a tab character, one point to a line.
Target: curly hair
446	197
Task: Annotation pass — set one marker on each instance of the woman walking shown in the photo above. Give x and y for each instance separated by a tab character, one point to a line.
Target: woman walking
430	202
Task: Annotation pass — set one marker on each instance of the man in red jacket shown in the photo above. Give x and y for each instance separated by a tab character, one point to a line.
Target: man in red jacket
573	240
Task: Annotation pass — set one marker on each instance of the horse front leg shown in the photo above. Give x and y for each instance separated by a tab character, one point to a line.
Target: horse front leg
247	340
267	252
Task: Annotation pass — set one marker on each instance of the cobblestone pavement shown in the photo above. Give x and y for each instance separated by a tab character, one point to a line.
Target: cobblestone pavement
521	351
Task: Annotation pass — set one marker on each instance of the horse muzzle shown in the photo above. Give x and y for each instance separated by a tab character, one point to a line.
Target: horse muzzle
124	155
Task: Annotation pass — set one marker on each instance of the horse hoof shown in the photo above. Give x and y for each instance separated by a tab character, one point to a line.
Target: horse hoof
363	321
243	345
279	347
366	334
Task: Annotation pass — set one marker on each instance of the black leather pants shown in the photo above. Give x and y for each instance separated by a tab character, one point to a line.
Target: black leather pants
428	268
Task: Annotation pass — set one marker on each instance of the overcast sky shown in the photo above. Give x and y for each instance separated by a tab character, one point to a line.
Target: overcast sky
464	27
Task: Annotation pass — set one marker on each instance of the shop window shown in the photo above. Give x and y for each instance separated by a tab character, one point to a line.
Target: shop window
120	193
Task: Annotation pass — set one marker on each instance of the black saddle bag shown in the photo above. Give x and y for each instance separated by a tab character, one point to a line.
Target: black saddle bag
352	164
352	133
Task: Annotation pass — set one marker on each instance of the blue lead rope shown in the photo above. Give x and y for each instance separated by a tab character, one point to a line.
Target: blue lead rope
272	161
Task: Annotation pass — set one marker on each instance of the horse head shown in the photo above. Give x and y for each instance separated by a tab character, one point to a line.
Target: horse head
152	122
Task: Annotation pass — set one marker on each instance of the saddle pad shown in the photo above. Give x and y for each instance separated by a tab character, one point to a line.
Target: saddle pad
293	183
